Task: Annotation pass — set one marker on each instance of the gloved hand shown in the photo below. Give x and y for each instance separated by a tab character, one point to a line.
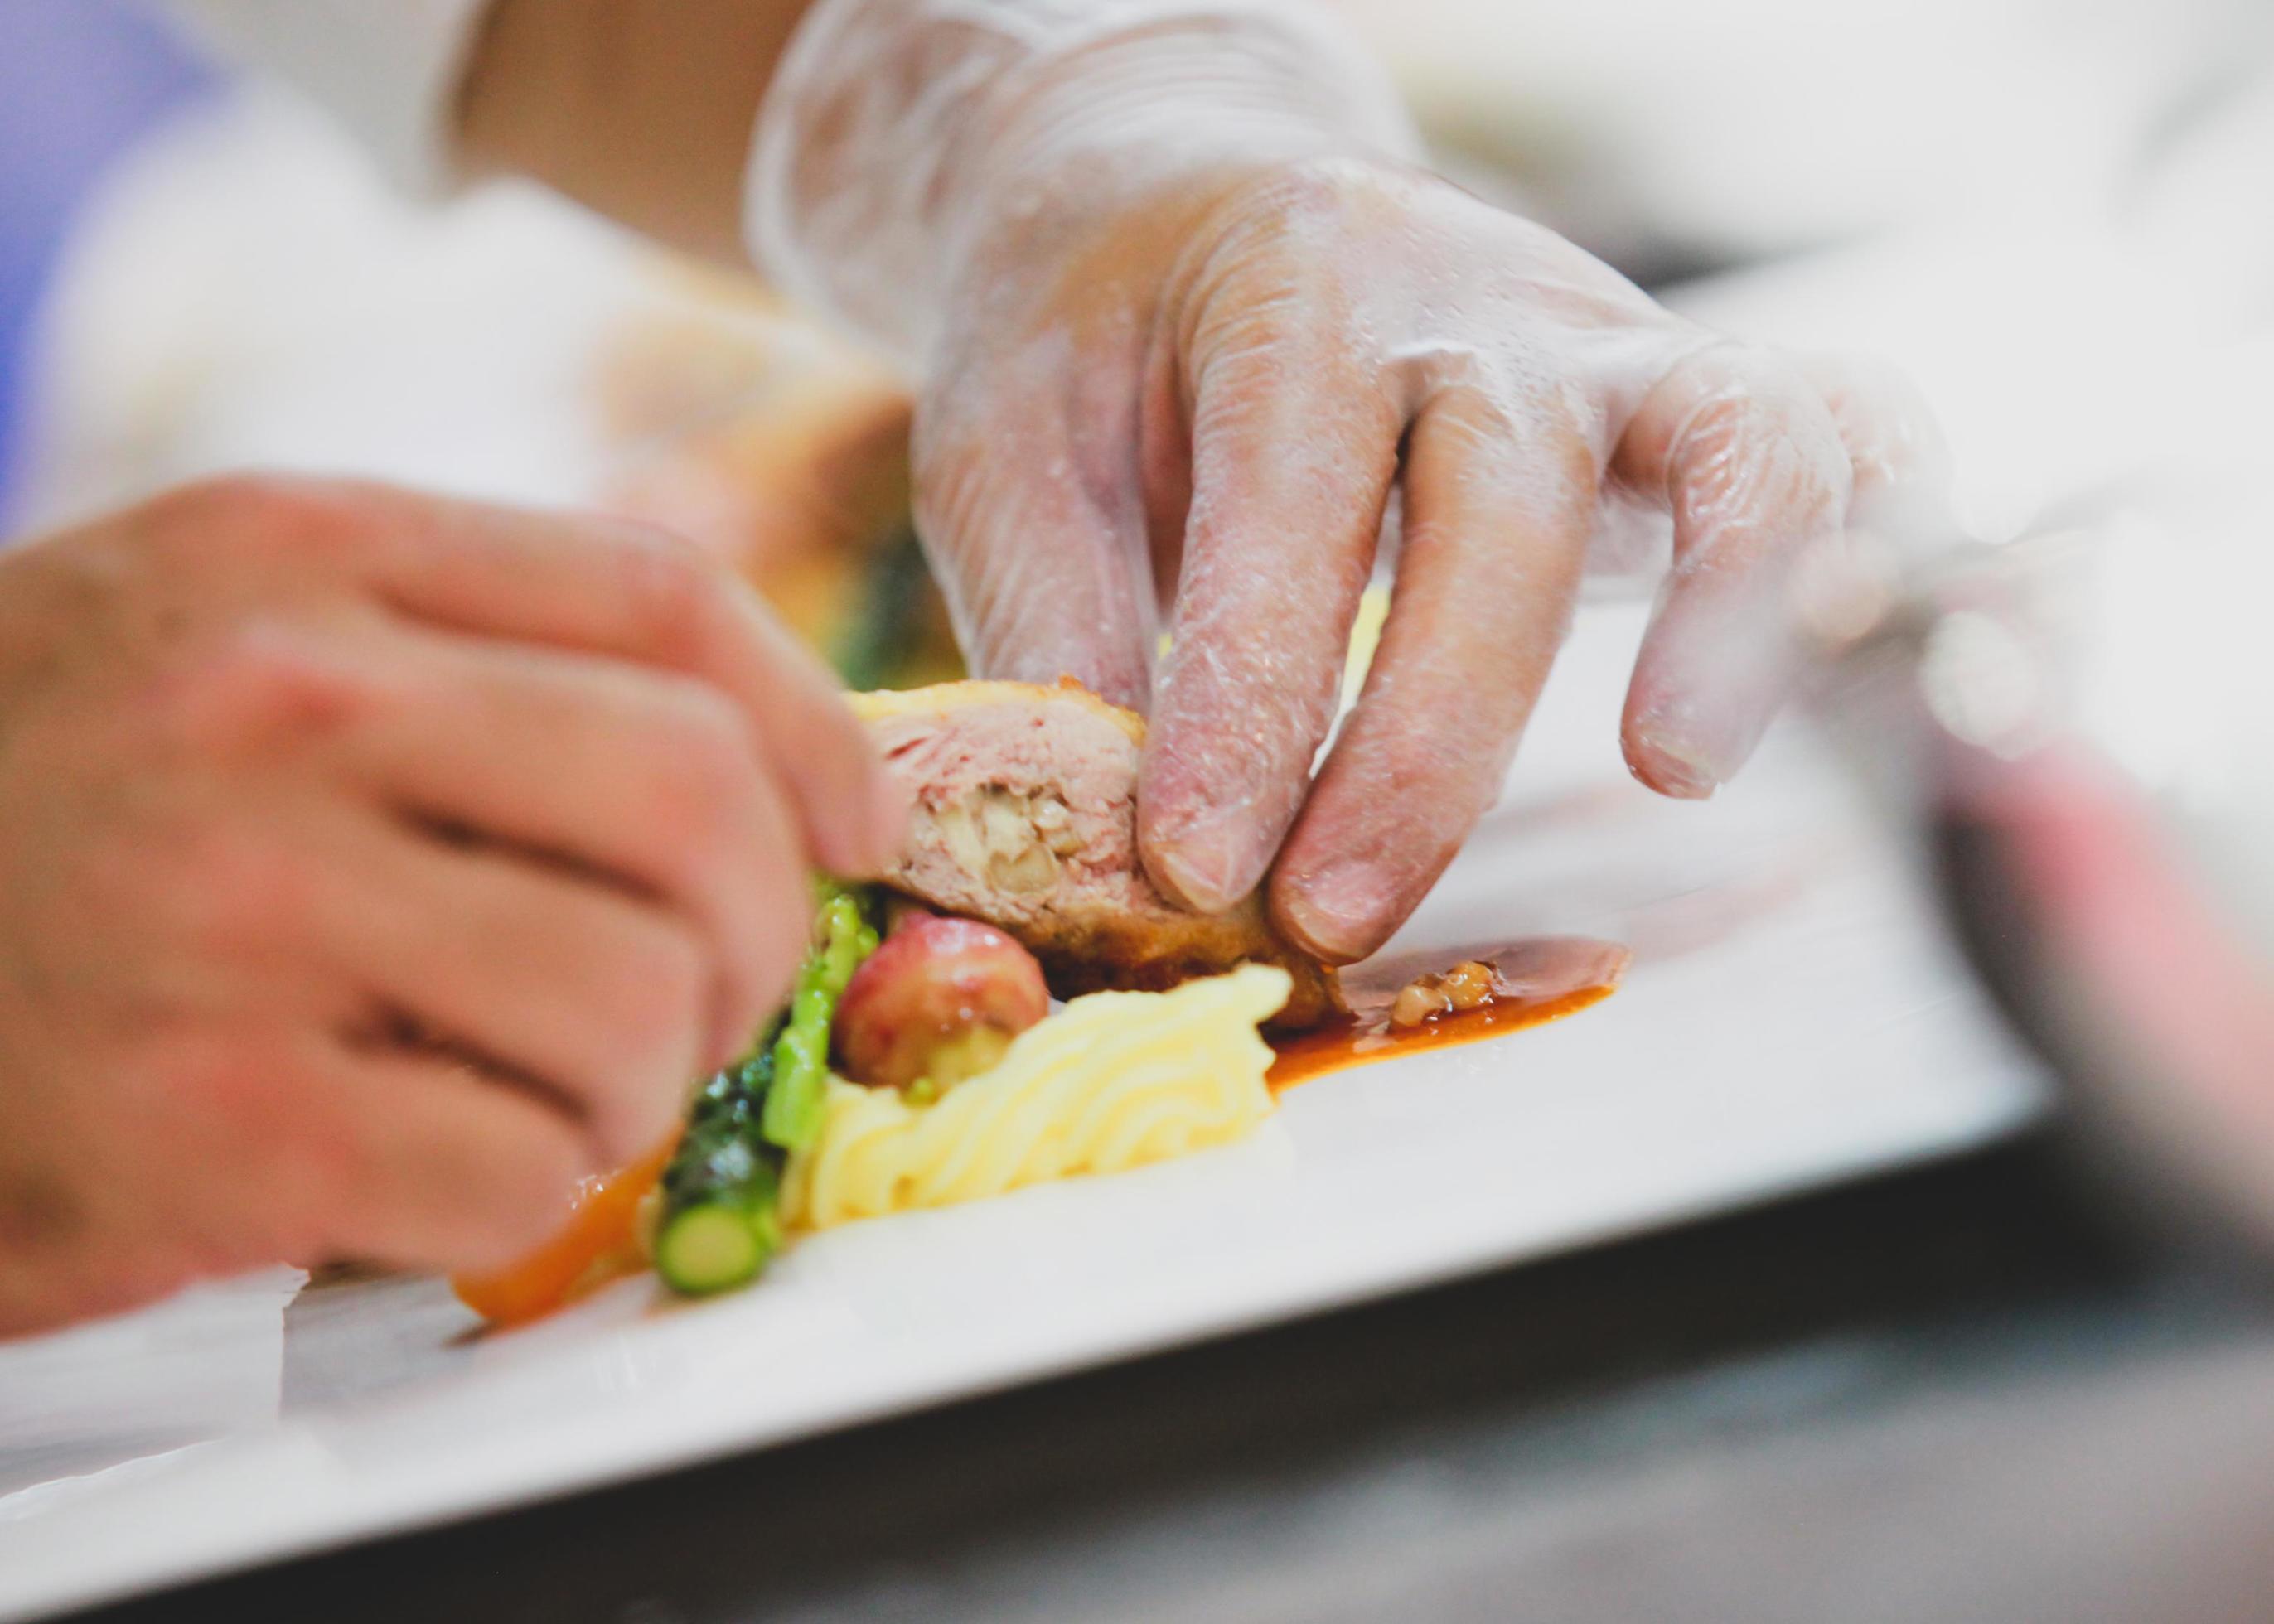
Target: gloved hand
375	866
1190	325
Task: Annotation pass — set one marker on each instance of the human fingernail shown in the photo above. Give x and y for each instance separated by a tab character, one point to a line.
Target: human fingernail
1682	748
1208	856
1674	768
1338	915
1204	868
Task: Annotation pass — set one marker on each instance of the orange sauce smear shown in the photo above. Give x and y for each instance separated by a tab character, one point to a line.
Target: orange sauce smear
1534	981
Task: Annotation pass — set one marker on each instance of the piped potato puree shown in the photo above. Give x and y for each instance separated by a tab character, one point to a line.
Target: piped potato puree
1114	1080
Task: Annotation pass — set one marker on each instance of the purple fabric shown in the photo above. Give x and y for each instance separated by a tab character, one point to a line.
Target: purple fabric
80	81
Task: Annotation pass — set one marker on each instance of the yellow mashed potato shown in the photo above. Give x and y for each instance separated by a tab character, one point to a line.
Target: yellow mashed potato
1112	1081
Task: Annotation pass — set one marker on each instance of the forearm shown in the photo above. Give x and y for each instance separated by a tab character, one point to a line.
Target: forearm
642	109
891	128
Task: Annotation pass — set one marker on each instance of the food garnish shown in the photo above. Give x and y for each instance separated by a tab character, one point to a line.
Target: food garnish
600	1241
937	1004
719	1223
1466	986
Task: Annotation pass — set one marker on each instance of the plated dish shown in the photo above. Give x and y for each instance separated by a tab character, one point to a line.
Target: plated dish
1790	1018
1014	1003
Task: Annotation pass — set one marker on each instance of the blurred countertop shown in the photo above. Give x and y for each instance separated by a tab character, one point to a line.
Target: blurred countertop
1965	1393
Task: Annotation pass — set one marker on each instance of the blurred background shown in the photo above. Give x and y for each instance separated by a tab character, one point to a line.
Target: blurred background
2052	212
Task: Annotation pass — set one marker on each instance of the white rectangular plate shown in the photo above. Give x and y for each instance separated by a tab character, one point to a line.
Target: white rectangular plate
1792	1018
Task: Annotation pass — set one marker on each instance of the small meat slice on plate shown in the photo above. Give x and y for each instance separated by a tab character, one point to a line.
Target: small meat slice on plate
1026	818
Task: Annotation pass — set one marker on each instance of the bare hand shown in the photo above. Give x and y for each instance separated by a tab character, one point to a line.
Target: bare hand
375	866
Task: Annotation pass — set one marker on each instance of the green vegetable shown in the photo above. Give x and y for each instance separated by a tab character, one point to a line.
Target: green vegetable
793	1104
719	1224
721	1219
712	1248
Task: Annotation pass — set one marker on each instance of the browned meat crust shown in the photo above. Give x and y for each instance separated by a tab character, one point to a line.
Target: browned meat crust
1025	818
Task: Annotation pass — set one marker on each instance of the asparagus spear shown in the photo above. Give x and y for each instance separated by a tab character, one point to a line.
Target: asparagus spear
720	1223
793	1104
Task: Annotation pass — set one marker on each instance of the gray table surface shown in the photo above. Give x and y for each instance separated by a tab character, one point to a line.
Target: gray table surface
1956	1393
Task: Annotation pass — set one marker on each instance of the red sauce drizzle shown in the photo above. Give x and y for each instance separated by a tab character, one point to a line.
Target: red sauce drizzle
1534	982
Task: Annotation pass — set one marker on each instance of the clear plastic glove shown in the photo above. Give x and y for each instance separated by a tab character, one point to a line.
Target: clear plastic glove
375	866
1190	328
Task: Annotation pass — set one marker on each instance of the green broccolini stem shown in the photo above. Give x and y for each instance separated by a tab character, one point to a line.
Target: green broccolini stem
719	1224
794	1105
708	1249
721	1193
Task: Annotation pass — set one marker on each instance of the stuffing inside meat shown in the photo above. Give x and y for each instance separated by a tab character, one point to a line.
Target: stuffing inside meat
1026	818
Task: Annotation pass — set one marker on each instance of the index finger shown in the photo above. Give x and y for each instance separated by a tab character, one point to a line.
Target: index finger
633	592
1294	447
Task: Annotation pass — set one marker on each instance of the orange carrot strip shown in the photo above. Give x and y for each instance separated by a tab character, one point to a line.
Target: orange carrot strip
600	1225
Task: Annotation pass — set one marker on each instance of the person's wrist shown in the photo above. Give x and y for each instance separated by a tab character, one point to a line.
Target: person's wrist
1157	125
1123	112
